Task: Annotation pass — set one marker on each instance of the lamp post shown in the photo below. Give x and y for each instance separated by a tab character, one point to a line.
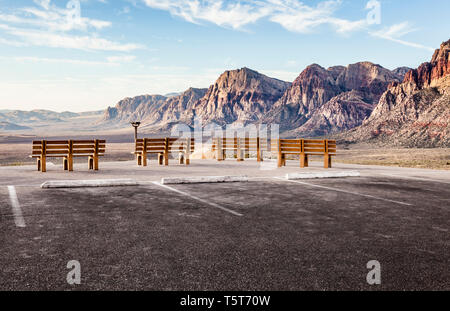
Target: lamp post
135	125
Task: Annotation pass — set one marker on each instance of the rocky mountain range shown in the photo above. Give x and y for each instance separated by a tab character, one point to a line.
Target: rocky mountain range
324	101
320	101
415	112
241	95
358	102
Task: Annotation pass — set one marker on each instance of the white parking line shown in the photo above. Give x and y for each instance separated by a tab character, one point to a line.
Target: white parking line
17	212
198	199
416	178
344	191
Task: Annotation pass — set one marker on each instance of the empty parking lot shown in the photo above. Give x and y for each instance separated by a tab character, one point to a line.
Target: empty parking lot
265	234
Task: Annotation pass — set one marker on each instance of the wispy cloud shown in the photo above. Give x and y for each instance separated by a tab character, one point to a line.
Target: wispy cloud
51	26
226	14
291	14
297	17
121	59
110	61
395	32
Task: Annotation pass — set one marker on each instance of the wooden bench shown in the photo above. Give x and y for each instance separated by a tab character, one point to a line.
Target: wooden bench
304	148
68	150
240	146
163	147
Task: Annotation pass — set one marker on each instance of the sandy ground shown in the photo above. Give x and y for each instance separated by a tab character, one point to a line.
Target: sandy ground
437	158
13	154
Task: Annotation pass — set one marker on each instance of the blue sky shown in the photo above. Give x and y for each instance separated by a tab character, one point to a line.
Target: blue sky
87	55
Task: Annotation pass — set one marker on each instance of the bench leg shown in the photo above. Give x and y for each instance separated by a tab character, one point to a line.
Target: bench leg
70	163
166	159
139	159
144	159
280	160
181	158
327	161
96	163
43	164
38	162
160	158
91	162
66	163
304	160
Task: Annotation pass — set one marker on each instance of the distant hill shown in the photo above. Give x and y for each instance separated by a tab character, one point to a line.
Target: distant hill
15	120
6	126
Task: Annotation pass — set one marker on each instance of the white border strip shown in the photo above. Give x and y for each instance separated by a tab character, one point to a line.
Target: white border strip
198	199
202	179
88	183
18	217
345	191
294	176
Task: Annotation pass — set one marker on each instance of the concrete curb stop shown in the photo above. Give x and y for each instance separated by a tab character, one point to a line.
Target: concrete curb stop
88	183
294	176
203	180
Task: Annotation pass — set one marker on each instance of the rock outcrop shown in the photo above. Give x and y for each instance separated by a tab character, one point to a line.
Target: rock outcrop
319	102
132	109
323	101
413	113
401	71
242	95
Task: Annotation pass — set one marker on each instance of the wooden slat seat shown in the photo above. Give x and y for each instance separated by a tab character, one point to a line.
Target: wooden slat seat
304	148
68	149
241	147
163	147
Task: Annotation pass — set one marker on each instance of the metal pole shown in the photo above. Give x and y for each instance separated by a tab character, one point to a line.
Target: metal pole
135	125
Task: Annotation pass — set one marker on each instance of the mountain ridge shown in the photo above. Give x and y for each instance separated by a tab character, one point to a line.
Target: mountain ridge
415	112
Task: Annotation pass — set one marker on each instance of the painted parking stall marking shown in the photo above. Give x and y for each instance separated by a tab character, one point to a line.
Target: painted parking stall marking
344	191
198	199
17	212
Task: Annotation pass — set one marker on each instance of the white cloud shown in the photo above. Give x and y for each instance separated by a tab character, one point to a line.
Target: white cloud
121	59
50	26
62	40
298	17
54	19
395	32
293	15
37	60
222	13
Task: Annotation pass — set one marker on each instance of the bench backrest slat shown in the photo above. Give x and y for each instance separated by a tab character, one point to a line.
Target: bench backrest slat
69	147
162	145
